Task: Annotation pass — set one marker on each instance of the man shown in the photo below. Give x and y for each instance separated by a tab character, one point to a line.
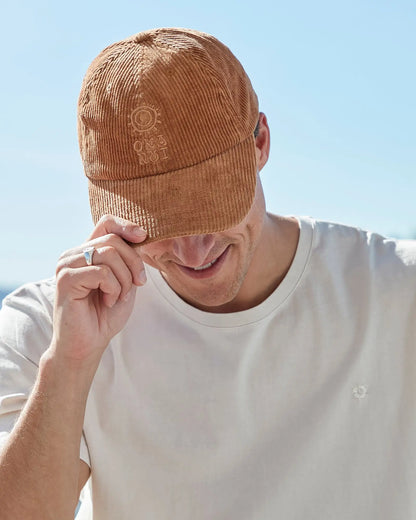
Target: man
265	370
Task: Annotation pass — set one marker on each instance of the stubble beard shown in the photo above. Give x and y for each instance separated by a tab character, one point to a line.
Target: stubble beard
216	296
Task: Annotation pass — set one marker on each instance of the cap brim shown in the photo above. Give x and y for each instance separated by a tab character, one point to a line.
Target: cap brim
209	197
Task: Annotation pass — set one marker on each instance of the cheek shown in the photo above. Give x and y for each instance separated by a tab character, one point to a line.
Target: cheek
248	232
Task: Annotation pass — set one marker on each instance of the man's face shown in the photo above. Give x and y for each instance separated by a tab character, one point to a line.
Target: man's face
210	271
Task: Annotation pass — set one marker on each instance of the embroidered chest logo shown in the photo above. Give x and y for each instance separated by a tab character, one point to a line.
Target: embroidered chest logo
150	145
360	391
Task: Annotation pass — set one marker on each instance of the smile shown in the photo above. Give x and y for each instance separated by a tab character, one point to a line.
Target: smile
205	266
207	270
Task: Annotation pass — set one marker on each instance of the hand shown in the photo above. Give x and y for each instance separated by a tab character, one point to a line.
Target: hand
93	303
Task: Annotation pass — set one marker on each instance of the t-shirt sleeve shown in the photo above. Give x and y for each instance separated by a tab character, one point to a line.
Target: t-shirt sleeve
25	334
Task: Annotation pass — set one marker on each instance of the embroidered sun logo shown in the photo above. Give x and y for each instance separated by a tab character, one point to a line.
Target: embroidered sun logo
144	118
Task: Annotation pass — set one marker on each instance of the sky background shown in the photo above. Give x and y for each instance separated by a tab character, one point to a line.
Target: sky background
336	80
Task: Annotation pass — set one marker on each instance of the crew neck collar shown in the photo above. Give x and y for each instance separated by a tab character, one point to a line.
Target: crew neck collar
257	313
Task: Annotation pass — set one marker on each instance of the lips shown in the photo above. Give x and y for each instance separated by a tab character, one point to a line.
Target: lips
206	270
203	267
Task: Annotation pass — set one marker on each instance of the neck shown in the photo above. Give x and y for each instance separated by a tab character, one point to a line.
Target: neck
269	265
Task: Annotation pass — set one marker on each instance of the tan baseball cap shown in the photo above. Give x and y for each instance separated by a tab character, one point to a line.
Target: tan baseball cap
165	123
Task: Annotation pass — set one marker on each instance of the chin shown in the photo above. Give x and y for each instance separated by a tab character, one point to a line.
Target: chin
210	302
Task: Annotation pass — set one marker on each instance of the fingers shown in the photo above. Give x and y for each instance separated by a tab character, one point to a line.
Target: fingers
86	293
119	257
78	283
109	224
112	253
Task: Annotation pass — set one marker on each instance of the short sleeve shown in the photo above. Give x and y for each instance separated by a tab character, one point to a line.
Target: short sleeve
25	334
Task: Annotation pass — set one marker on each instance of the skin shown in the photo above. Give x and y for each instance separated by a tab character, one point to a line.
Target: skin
255	262
93	303
259	251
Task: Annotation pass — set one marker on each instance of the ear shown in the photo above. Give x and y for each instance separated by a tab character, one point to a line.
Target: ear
262	142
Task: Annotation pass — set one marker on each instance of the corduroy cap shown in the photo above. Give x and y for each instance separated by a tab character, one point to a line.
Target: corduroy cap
165	123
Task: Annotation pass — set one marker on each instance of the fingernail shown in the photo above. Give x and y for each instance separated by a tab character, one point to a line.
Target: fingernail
126	298
139	232
142	277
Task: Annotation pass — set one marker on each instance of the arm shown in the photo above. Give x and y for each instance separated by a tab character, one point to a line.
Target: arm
40	471
40	467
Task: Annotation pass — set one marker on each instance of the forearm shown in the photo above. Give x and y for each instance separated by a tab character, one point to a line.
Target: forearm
39	466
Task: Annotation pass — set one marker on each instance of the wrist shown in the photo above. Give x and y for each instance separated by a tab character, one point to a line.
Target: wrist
66	370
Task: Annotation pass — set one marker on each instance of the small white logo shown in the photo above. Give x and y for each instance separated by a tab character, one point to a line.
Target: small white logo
360	391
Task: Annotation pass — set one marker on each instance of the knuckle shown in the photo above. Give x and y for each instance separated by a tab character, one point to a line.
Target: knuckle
110	238
63	277
108	251
100	256
65	254
105	219
105	272
59	266
127	279
114	240
66	260
114	237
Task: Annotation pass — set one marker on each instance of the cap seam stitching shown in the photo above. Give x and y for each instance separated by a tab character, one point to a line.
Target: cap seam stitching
94	77
230	107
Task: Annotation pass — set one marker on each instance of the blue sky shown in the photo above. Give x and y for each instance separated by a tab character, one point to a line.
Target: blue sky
336	80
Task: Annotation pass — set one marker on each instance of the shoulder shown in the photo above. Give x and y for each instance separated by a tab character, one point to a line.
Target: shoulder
31	299
364	245
372	263
26	318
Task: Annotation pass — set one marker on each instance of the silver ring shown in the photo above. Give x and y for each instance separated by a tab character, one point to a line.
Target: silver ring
88	254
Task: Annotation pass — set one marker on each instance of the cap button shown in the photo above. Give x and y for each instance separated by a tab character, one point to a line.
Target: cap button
143	36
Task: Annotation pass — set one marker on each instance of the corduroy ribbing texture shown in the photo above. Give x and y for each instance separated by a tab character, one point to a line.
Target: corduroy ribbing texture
165	122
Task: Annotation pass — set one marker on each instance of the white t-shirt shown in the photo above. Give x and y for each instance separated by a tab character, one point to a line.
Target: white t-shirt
301	407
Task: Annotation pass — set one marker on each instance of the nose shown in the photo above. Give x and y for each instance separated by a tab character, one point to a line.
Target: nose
194	250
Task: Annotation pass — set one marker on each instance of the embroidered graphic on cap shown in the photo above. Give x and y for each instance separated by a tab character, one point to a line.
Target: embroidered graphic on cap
144	119
150	145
